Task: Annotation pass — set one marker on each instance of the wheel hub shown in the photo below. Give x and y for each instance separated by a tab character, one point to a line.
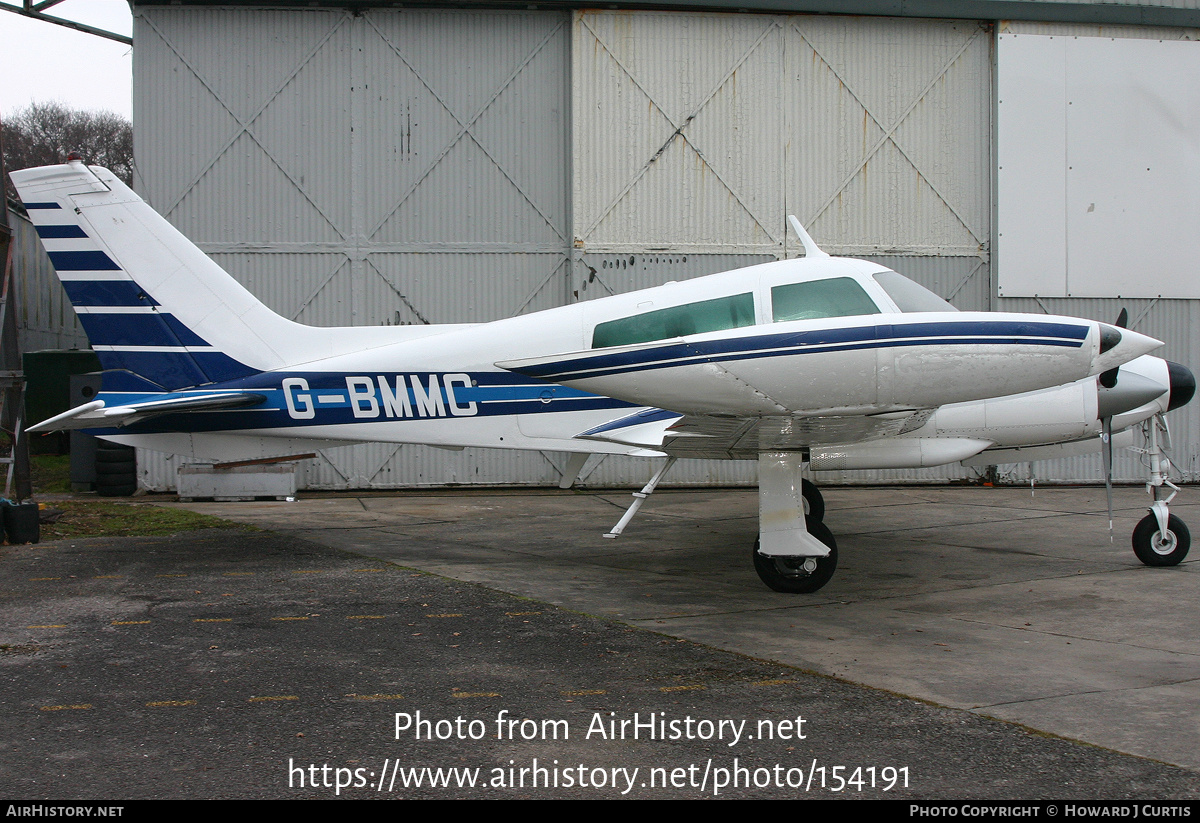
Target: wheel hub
796	567
1164	544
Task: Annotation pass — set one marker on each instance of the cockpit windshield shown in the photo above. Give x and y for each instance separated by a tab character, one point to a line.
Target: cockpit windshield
910	296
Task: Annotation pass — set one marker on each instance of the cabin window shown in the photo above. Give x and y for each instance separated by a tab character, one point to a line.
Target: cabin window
834	297
910	296
677	321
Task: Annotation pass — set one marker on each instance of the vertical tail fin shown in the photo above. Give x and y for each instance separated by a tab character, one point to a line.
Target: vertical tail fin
151	303
155	307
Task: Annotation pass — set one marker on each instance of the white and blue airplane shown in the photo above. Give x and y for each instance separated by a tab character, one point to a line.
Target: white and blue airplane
820	362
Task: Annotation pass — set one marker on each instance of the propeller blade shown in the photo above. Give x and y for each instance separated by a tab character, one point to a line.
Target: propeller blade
1106	440
1108	379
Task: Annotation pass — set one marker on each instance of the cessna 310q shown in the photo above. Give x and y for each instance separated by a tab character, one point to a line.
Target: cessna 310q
821	361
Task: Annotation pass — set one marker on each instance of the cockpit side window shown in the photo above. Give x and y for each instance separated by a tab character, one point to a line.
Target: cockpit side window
694	318
834	297
910	296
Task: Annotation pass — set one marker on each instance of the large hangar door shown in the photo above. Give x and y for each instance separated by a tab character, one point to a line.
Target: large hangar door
697	134
375	168
888	156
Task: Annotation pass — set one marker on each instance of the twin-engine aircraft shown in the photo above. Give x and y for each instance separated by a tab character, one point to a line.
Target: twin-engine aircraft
820	362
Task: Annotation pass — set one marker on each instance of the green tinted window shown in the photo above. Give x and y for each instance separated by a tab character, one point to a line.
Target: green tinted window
836	297
677	321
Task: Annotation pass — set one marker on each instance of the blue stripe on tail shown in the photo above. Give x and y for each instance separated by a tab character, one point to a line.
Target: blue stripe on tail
82	261
59	232
144	329
139	345
90	293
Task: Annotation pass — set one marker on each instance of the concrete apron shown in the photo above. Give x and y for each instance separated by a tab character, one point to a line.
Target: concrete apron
985	599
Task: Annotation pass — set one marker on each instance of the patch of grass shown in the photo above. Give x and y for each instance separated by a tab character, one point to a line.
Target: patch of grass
50	473
106	517
111	519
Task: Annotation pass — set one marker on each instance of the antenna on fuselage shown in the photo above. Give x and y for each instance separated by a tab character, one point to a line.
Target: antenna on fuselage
811	249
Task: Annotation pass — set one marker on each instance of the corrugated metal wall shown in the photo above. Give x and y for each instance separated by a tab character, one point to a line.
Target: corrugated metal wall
697	134
401	166
377	168
45	319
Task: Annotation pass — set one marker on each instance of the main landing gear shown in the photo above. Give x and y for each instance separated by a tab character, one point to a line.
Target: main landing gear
795	552
1161	538
801	575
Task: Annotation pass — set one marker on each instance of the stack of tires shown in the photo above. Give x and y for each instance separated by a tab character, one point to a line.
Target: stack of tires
116	469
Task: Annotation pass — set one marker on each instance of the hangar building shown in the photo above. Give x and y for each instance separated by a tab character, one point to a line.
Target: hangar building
394	163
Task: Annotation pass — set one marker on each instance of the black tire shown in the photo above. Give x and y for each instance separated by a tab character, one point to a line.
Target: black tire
121	454
814	503
116	489
126	468
1152	550
785	574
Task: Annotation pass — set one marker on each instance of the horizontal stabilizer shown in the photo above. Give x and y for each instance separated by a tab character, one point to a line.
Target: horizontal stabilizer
96	415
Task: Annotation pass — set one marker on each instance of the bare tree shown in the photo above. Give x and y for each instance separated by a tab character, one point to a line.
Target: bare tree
47	133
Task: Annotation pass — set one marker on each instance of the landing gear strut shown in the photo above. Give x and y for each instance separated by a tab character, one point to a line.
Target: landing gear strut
795	552
1161	538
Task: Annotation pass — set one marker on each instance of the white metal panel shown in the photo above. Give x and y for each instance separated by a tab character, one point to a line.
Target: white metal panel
216	95
1031	174
1097	142
1174	321
484	117
1097	30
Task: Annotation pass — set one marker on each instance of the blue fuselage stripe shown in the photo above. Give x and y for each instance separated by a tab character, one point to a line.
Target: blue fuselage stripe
972	333
489	394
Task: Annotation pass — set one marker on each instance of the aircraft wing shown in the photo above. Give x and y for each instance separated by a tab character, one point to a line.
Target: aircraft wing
710	436
97	415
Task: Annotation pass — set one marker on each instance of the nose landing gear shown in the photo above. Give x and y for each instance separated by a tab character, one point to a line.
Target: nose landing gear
1161	538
